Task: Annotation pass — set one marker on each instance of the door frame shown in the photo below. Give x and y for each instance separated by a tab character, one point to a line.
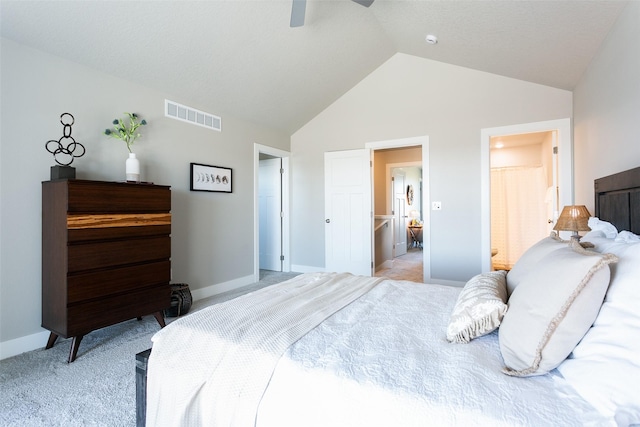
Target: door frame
422	141
285	156
565	177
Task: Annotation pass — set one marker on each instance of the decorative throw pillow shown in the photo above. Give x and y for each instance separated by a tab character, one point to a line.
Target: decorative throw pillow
552	308
528	260
479	308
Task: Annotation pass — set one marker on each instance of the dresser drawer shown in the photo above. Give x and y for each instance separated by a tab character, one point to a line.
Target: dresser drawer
96	197
86	317
98	255
101	283
88	234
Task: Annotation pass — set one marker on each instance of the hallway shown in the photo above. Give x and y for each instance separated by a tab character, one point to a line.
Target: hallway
405	267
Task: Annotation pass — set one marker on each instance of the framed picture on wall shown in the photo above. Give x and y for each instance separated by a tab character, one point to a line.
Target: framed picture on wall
210	178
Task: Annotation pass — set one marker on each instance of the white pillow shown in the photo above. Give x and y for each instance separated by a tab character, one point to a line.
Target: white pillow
479	308
552	309
627	237
604	368
530	257
607	228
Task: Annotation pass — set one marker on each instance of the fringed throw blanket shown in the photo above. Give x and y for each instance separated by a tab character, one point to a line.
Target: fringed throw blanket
212	367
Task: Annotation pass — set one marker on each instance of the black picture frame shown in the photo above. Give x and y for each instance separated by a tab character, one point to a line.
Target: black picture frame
210	178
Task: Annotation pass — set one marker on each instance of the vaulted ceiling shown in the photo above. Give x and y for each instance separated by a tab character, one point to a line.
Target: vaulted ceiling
241	57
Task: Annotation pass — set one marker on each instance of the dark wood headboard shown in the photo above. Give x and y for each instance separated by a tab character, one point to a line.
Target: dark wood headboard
618	200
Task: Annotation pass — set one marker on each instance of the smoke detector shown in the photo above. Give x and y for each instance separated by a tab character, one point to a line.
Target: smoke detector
431	39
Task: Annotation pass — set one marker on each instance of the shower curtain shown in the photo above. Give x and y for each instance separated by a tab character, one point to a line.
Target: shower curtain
518	212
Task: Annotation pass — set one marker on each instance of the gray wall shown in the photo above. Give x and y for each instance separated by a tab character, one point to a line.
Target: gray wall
212	232
607	108
408	97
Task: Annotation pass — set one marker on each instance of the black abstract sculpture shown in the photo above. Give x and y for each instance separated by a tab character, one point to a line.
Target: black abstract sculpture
65	150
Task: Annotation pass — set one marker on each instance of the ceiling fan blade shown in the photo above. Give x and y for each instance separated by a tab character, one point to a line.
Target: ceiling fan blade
297	13
365	3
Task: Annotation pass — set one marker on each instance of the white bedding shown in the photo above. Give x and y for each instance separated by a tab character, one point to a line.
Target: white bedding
212	367
384	361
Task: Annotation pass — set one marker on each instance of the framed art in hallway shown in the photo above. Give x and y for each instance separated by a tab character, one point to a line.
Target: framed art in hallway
210	178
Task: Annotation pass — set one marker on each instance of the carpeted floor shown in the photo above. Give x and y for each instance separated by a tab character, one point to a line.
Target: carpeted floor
39	388
405	267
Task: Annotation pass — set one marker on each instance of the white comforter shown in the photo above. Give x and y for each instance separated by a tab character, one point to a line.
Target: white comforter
212	367
384	361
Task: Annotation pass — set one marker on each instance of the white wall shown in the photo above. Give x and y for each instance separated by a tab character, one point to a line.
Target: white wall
607	108
211	232
405	97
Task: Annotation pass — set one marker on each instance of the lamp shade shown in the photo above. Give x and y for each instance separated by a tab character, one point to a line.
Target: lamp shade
573	218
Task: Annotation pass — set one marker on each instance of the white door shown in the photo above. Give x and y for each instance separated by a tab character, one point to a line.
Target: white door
269	210
348	213
399	212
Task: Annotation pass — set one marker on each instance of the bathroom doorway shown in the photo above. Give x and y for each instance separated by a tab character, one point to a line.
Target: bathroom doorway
524	202
562	150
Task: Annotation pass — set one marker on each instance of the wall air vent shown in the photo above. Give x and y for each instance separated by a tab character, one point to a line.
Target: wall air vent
191	115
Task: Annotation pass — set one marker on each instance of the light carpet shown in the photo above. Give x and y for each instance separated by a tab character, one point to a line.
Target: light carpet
39	388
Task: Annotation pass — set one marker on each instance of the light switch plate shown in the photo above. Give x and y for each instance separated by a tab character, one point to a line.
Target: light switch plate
436	206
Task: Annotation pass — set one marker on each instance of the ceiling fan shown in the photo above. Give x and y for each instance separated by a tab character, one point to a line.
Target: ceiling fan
298	7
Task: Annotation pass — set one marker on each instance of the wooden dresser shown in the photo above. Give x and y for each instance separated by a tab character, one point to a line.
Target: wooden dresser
106	255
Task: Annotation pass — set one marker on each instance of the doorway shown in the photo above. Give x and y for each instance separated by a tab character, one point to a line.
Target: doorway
404	203
523	193
383	203
270	213
563	191
271	226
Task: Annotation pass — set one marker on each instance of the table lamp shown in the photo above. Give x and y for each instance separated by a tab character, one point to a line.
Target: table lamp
414	215
573	218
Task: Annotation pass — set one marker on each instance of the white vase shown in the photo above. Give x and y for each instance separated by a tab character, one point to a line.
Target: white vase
132	168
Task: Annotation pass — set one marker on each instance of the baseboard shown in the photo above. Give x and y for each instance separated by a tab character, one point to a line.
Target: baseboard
307	269
219	288
386	264
23	344
39	340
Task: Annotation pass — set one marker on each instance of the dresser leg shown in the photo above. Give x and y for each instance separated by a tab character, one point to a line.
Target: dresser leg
74	347
160	318
52	340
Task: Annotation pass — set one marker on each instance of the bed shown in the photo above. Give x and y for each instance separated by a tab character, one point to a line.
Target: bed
327	349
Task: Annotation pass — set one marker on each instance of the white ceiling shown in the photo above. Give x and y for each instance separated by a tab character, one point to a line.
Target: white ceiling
242	56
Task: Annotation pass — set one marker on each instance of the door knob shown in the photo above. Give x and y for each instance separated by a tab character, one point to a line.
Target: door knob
327	220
